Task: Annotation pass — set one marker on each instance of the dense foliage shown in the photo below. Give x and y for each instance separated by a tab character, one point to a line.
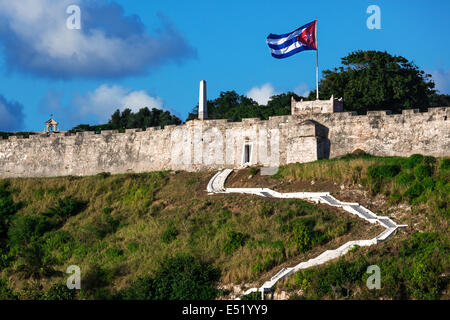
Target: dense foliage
5	135
417	180
374	80
178	278
413	268
413	272
440	100
232	106
127	119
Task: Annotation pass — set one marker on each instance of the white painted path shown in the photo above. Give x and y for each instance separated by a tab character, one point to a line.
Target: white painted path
217	185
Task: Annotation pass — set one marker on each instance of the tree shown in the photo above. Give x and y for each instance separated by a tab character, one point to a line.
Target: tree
230	105
59	291
374	80
440	100
280	104
34	262
179	278
127	119
115	119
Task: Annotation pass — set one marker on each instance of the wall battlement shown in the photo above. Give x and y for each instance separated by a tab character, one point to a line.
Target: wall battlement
217	144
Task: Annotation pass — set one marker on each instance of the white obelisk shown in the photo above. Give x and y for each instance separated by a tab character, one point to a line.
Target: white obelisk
202	102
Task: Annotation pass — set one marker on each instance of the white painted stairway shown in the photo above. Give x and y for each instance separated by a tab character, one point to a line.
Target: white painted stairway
217	185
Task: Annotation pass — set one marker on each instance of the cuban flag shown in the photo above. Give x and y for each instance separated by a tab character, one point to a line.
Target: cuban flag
286	45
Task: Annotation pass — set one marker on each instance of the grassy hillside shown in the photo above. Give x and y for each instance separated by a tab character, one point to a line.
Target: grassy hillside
160	236
415	264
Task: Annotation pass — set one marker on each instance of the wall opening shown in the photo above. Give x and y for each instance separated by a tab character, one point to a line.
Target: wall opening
247	153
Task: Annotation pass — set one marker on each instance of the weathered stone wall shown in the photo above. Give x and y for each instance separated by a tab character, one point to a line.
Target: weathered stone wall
316	106
216	144
383	134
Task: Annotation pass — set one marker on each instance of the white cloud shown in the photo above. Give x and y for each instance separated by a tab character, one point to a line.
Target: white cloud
103	101
262	94
442	80
302	89
110	44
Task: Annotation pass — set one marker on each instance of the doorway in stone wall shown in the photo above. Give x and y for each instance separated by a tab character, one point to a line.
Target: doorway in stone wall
247	153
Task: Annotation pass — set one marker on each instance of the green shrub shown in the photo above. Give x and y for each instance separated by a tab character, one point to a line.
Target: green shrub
5	292
169	235
178	278
34	262
132	246
104	175
383	171
141	192
94	281
114	254
24	228
7	207
334	280
266	210
234	241
191	181
104	224
414	191
265	265
254	171
59	291
424	257
404	178
258	267
422	171
413	161
302	237
38	194
429	160
357	154
251	296
59	244
65	208
395	197
445	164
428	183
413	271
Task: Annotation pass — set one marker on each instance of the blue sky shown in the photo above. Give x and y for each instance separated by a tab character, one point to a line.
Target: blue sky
156	52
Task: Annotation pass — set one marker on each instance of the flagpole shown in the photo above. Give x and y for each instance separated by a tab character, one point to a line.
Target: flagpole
317	66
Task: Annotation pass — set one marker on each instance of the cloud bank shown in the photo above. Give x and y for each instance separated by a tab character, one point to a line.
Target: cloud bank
261	94
11	115
36	40
103	101
442	80
97	106
302	89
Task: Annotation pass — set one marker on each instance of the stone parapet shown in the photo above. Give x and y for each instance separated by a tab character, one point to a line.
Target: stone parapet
217	144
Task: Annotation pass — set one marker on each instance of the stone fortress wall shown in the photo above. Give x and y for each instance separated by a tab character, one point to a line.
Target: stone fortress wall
216	144
315	130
